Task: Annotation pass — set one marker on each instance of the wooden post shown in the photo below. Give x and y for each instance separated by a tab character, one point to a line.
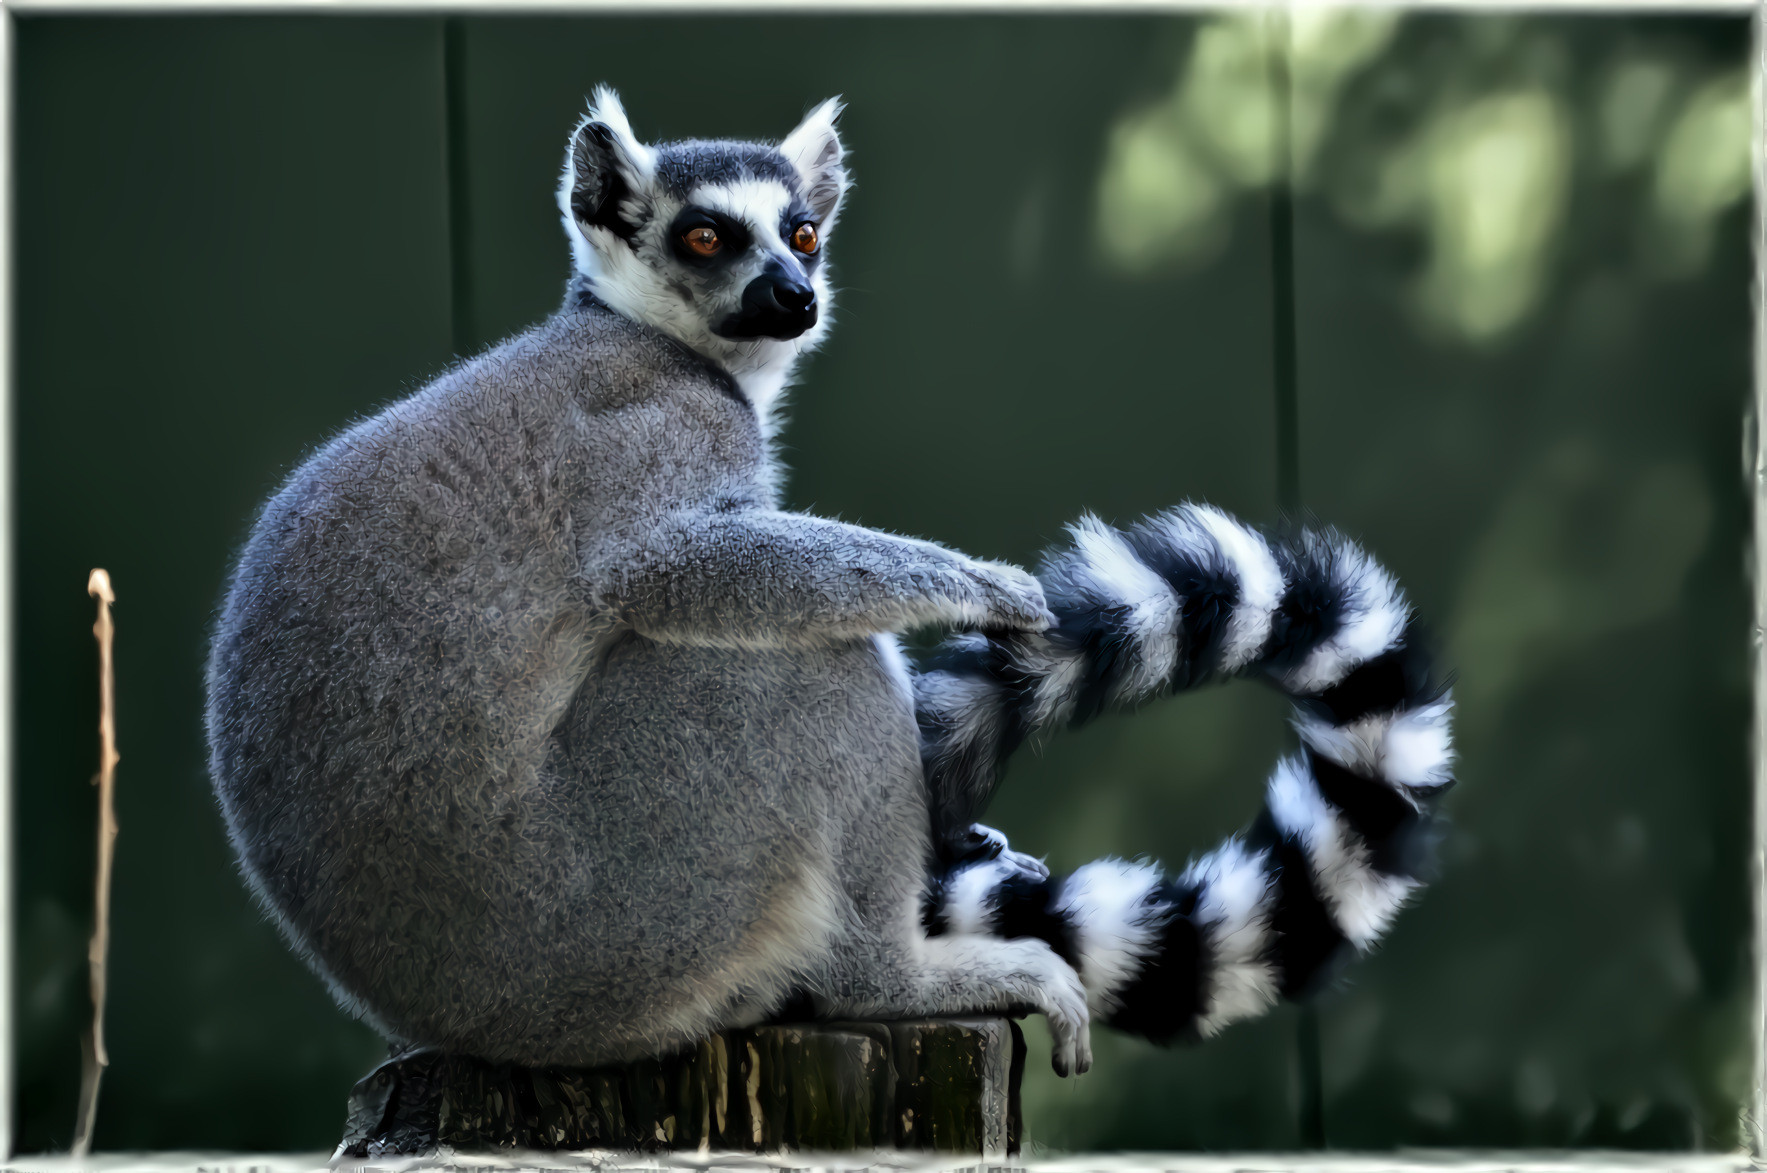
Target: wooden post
947	1085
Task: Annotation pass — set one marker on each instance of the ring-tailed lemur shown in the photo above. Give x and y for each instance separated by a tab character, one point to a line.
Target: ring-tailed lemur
547	736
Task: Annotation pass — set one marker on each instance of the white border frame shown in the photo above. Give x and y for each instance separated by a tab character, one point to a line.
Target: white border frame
830	7
8	923
1757	457
891	1161
1569	1161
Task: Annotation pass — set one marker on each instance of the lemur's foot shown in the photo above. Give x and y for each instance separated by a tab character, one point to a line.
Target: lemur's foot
1070	1023
1055	992
980	844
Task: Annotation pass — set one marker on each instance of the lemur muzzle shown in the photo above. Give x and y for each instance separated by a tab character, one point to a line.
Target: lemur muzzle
777	304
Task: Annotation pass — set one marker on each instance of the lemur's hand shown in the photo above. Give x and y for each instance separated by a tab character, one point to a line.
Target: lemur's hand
1007	597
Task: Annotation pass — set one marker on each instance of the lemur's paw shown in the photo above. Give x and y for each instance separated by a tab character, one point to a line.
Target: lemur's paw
981	844
1070	1024
1053	987
1004	596
1027	865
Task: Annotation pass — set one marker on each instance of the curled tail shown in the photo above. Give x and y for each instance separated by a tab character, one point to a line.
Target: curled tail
1345	832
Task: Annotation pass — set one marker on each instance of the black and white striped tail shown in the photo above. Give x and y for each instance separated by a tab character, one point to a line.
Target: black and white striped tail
1345	832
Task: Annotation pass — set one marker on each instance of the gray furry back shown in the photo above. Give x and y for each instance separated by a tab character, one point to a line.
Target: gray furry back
408	627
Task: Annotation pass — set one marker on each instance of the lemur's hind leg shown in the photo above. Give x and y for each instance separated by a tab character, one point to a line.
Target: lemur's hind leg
1348	822
963	973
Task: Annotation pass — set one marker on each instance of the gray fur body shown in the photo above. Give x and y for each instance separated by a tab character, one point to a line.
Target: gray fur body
547	738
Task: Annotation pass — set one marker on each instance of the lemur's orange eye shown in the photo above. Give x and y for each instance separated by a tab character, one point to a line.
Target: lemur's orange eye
703	241
803	238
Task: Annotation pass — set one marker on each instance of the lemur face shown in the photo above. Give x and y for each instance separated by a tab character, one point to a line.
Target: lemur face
746	248
720	244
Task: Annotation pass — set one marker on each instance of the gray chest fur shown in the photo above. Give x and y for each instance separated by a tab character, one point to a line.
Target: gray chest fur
495	816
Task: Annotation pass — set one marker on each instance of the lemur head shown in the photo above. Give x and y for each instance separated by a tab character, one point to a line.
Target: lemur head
719	244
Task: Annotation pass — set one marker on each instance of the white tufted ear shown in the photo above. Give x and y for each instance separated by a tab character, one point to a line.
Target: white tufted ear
606	108
814	148
604	166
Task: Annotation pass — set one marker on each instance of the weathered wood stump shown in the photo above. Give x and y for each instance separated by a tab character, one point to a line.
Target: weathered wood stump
950	1085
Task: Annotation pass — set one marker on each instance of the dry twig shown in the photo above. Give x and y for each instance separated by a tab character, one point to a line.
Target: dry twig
97	1058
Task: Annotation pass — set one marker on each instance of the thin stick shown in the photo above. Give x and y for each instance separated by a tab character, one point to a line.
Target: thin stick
97	1058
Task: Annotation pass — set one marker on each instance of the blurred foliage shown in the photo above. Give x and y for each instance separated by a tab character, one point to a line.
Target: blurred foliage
1469	134
1522	267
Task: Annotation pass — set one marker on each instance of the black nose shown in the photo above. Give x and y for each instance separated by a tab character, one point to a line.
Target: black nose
793	295
777	304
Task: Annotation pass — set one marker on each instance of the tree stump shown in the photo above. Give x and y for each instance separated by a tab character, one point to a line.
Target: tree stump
948	1085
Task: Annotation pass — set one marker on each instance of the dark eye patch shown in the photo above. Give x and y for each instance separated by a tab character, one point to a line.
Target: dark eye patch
731	232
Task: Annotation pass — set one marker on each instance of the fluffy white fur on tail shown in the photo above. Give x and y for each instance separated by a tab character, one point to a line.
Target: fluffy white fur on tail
1362	900
1112	906
1410	748
1234	906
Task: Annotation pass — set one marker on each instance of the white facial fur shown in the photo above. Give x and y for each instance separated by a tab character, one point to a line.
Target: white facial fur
640	274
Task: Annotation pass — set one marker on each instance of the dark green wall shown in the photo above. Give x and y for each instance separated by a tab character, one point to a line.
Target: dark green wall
235	235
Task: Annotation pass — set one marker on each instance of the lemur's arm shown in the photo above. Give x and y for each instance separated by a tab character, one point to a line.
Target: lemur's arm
753	578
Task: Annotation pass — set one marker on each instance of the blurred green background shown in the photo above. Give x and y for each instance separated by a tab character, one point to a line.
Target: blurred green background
1522	273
